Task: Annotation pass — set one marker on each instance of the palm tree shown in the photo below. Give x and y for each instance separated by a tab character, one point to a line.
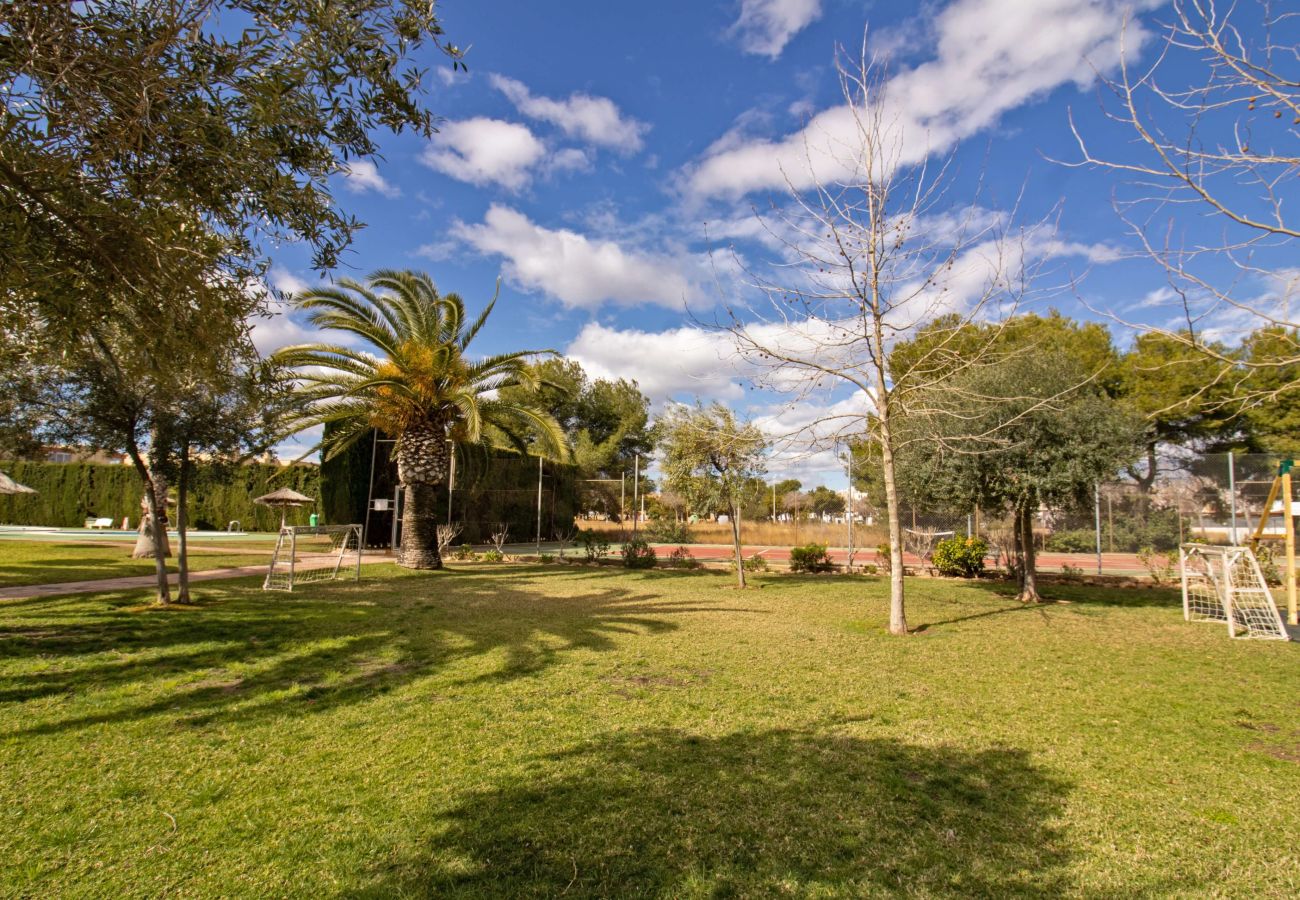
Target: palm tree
416	383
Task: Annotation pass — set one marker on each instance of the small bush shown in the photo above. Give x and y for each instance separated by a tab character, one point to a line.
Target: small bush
593	545
681	559
755	563
492	555
883	556
1268	564
1074	540
637	554
960	557
1069	571
810	558
464	552
668	531
871	569
1160	566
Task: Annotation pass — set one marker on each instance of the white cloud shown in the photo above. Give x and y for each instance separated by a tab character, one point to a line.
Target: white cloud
362	175
596	120
279	329
580	271
485	151
286	281
991	56
677	364
766	26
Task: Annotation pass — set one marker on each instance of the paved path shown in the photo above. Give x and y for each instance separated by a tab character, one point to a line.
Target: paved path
131	582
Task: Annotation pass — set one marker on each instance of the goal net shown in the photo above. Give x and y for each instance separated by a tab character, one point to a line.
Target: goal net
310	553
1225	584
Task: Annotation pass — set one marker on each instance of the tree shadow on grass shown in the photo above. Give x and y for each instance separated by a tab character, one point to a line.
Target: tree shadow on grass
247	654
1087	594
665	813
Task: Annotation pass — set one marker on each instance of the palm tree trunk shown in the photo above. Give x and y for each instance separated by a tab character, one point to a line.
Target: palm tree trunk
421	465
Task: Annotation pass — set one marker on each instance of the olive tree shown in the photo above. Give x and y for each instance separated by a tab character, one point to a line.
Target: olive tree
709	456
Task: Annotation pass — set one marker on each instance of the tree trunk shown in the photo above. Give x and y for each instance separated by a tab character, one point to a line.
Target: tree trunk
897	610
182	523
1028	576
153	522
735	542
1146	479
422	458
159	535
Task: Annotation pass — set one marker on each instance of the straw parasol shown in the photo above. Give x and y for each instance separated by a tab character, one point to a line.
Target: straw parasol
9	486
283	499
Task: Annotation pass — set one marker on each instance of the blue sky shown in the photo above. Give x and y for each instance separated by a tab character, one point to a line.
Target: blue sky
597	152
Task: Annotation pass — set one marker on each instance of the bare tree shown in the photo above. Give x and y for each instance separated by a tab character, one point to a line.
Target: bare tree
1209	193
872	252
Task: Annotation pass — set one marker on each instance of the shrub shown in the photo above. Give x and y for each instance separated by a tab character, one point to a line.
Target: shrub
1160	566
592	544
810	558
1074	540
961	557
492	555
681	559
637	554
669	531
882	556
755	563
871	569
464	552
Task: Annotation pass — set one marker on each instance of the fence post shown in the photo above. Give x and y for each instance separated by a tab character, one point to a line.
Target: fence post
1096	510
1232	496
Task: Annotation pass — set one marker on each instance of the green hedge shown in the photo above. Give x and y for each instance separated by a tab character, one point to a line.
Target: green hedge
500	488
70	493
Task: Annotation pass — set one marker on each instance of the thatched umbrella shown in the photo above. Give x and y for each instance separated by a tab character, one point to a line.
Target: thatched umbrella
9	486
283	499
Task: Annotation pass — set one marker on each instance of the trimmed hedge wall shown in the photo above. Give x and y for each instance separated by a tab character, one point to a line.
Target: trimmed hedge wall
70	493
489	491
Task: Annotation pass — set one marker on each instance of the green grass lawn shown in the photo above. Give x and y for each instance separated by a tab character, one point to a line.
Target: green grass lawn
548	731
47	562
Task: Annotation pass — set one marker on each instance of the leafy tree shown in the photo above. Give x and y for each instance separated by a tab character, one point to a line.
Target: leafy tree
1185	395
149	143
1057	435
709	456
607	422
227	420
784	488
417	383
825	502
1272	392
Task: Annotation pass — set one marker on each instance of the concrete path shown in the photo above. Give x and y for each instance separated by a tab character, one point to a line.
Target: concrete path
133	582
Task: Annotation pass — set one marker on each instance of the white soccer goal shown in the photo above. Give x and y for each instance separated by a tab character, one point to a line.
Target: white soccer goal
310	553
1225	584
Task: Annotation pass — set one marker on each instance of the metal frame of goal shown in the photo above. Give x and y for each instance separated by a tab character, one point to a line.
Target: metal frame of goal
311	553
1225	584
